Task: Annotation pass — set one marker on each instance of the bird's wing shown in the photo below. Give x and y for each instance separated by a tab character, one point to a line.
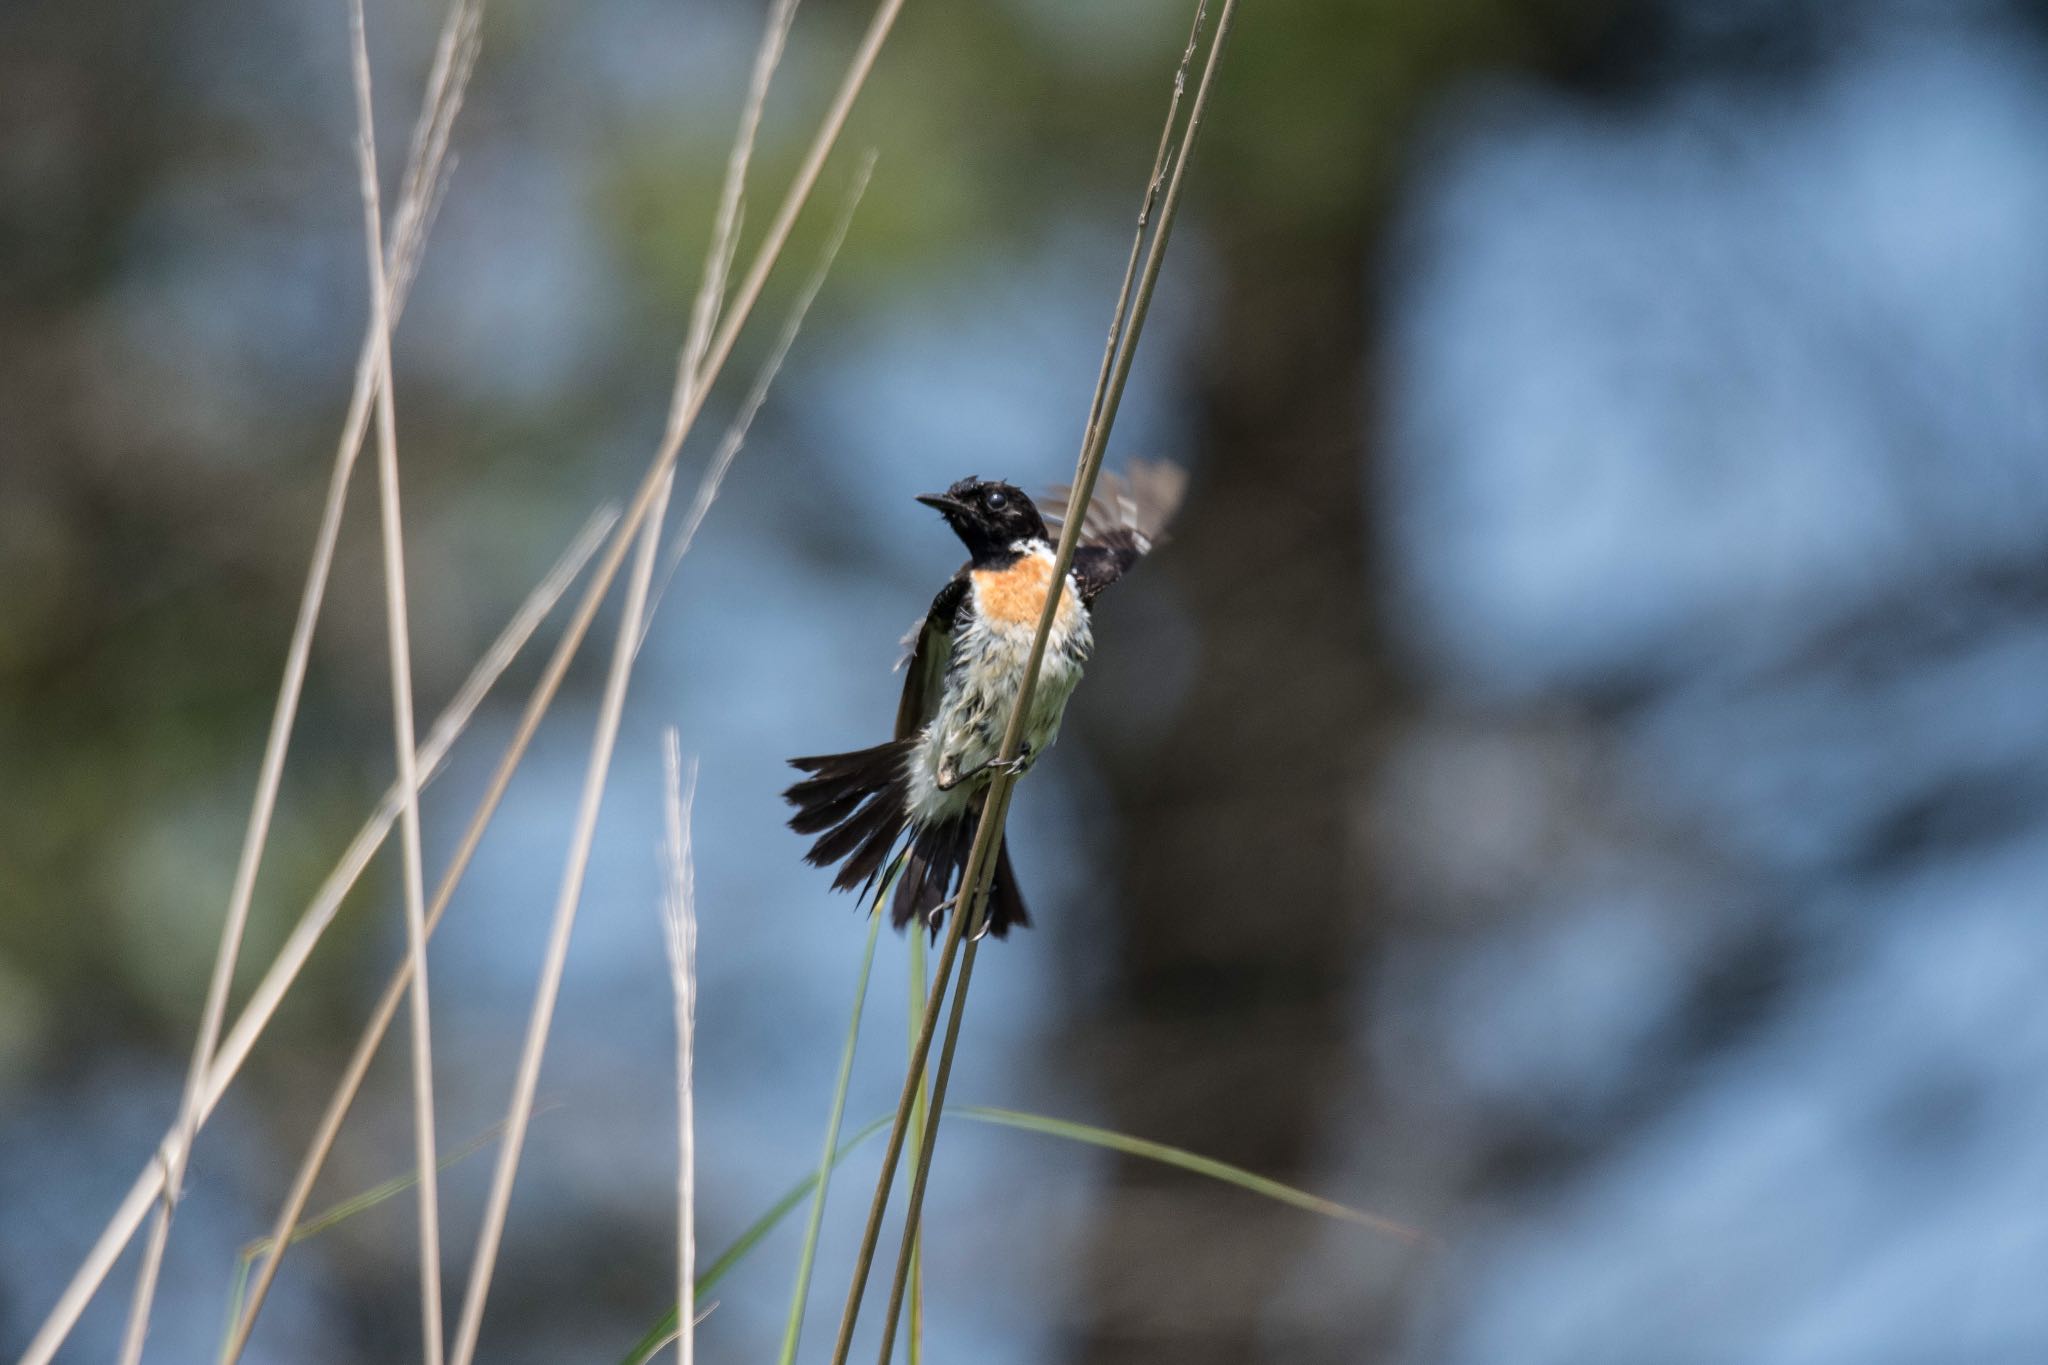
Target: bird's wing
929	648
1125	519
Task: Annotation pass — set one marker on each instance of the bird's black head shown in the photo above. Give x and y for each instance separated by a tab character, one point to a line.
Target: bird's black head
988	515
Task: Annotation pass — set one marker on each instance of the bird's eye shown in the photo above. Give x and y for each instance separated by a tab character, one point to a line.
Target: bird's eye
996	500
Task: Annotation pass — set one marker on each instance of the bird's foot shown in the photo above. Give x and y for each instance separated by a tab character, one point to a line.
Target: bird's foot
949	776
1015	767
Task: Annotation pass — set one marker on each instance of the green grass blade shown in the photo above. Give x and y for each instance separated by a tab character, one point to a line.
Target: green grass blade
1186	1161
1049	1127
747	1241
829	1158
338	1213
244	1263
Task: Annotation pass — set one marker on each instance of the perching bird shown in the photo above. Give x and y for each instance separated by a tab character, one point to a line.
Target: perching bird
910	806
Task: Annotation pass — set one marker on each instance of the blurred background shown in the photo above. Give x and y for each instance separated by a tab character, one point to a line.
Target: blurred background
1577	782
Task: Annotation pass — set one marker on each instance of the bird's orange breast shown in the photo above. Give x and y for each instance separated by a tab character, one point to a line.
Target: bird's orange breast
1016	595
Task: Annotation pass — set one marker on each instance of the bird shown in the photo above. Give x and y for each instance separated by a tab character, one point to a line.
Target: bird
902	814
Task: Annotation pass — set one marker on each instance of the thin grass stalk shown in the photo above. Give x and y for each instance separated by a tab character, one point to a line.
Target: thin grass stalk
691	379
454	59
427	159
769	252
243	1265
978	854
169	1162
725	225
694	383
800	1295
913	1077
918	1111
978	874
386	1009
400	634
679	1333
920	1051
899	1126
921	1165
812	166
679	936
1180	1158
541	1017
1153	184
90	1275
334	1216
995	809
382	1015
309	1167
1063	1129
324	1135
145	1280
652	485
652	1340
663	1331
736	434
448	727
313	922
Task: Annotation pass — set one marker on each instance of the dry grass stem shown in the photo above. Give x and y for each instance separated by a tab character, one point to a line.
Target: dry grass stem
397	622
725	227
700	360
1119	315
906	1105
920	1111
921	1159
313	922
1126	327
679	936
529	723
293	957
736	434
298	947
980	867
425	181
1125	333
411	223
541	1018
692	378
652	486
428	158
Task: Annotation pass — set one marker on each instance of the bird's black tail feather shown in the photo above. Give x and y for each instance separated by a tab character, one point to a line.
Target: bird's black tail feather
857	804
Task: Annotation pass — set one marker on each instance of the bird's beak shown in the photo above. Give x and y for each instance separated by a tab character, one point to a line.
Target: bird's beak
943	505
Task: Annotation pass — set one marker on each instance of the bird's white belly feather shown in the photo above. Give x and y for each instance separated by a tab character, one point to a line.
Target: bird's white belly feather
949	764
